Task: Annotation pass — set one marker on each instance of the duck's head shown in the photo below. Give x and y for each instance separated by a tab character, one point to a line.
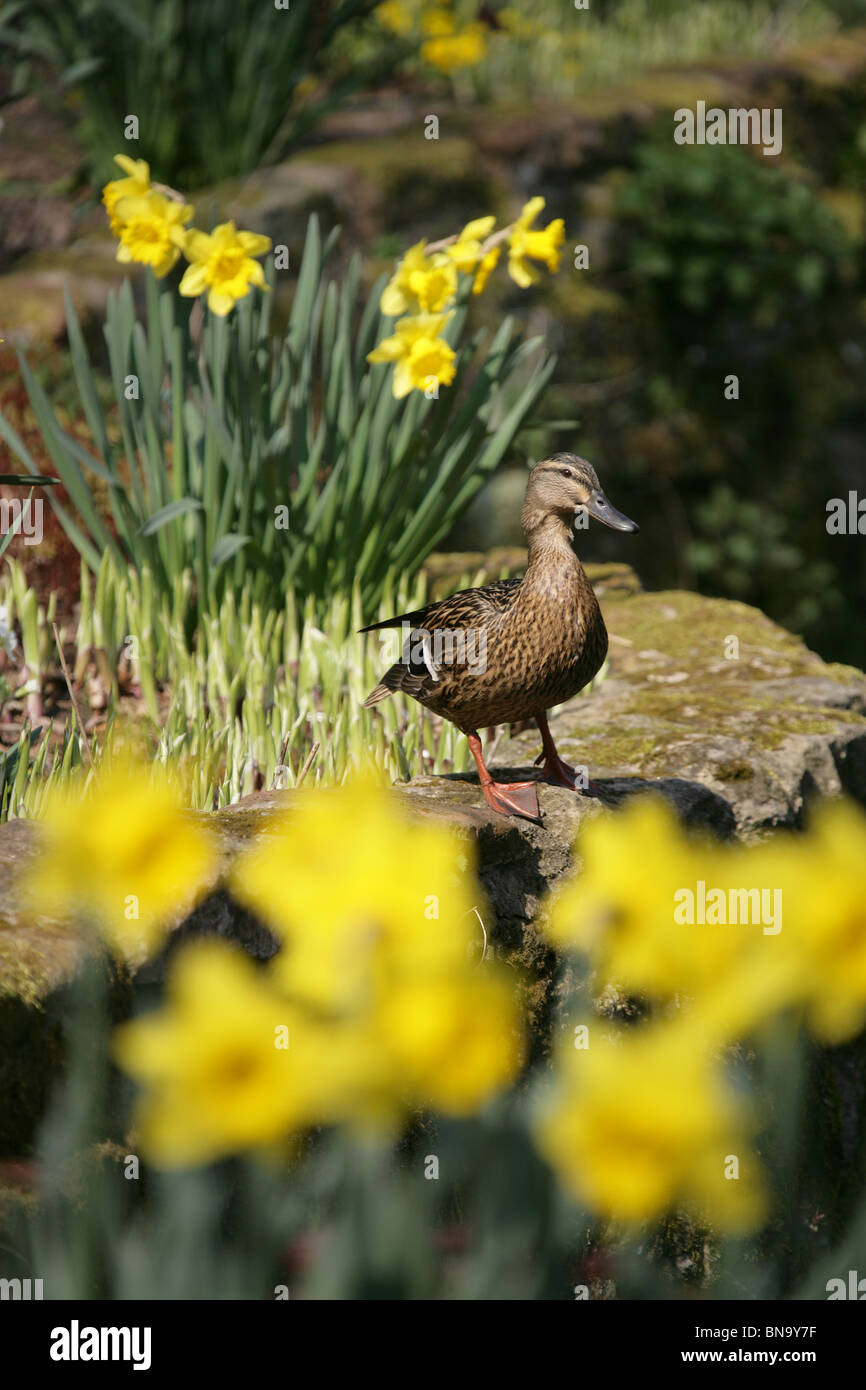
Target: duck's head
563	484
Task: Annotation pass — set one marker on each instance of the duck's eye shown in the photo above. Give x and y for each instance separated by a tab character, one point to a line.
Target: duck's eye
566	472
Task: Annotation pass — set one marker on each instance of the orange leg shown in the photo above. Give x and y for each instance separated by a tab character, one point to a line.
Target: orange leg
508	798
555	771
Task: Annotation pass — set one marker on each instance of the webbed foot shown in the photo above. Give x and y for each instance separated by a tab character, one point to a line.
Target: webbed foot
513	799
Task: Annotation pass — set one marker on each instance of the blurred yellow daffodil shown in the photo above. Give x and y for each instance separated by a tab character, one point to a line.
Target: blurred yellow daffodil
643	1123
399	907
620	909
386	949
394	15
436	22
228	1064
461	49
822	880
744	931
486	266
126	854
453	1041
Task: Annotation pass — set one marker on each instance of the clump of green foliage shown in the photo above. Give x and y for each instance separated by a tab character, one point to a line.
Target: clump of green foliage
716	227
213	86
289	460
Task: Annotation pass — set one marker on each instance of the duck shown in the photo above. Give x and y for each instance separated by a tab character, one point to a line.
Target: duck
509	650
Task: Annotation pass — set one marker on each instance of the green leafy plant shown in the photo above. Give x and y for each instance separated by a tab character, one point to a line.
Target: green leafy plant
213	86
293	462
712	227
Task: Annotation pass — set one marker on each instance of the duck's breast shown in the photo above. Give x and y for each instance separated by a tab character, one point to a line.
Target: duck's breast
539	652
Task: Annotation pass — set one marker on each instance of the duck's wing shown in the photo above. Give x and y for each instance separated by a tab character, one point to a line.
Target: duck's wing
417	672
480	604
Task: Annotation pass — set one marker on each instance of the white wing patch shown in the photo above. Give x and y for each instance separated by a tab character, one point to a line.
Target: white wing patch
427	656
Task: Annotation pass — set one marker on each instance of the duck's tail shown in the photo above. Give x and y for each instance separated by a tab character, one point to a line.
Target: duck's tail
376	696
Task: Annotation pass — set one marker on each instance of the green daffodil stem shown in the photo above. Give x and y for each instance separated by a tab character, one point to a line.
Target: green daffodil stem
495	239
70	684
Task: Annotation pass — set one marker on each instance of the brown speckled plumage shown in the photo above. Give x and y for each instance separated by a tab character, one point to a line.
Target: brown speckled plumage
545	636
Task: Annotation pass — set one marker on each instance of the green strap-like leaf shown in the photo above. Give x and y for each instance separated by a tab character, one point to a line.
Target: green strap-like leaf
226	547
170	512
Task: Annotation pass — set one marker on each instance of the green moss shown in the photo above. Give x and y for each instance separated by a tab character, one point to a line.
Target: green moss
724	716
390	155
623	750
34	958
694	629
95	257
579	298
672	685
733	772
244	824
452	179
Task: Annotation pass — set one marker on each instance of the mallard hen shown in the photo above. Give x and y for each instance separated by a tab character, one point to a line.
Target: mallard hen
510	650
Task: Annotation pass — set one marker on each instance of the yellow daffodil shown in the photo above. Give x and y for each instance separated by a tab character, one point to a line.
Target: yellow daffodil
394	15
135	185
526	244
466	251
462	49
422	359
821	877
665	915
420	282
641	1124
767	934
229	1064
342	930
388	958
437	22
125	854
150	223
222	264
454	1041
488	263
620	909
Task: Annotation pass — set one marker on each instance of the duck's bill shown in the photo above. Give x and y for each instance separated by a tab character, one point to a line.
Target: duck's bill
598	506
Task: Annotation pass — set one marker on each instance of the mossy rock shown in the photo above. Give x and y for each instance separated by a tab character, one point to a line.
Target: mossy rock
408	184
279	201
32	294
711	693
